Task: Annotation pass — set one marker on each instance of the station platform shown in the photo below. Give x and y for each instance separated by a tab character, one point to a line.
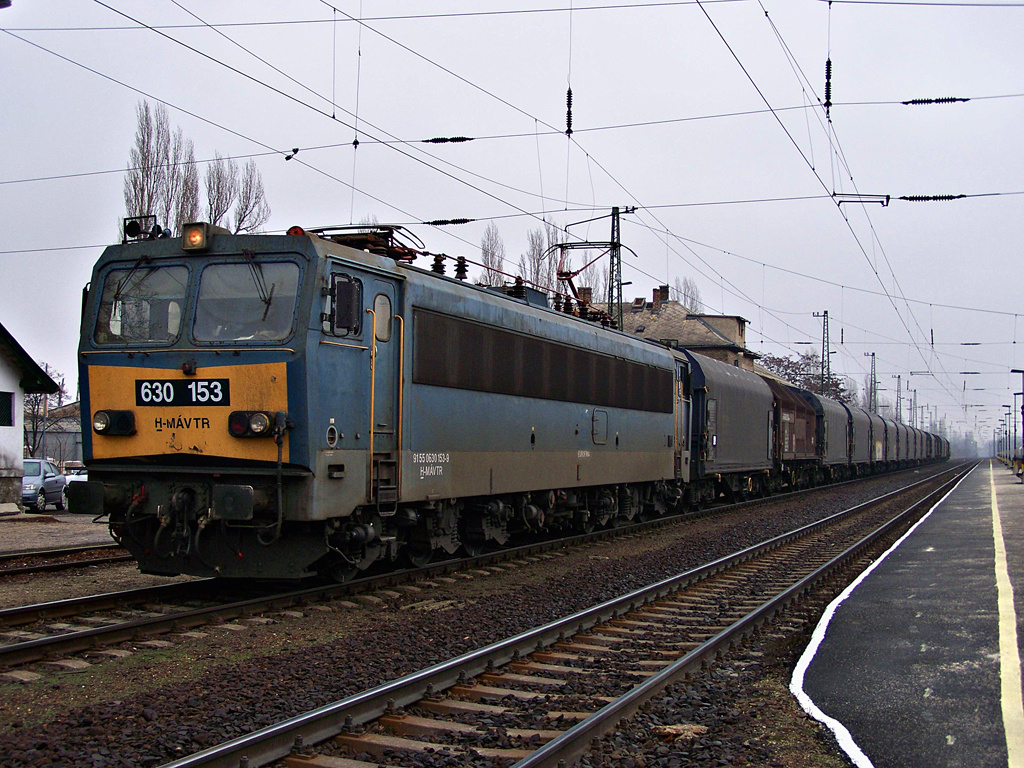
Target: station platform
917	664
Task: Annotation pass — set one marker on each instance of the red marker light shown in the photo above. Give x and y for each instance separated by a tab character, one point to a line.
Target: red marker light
238	423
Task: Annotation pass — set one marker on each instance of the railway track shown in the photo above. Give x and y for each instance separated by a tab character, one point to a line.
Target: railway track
541	697
60	559
57	630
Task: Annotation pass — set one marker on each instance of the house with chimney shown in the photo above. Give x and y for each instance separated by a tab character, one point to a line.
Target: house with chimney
722	337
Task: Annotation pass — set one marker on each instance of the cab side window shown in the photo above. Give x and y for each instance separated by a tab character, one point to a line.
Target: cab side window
342	314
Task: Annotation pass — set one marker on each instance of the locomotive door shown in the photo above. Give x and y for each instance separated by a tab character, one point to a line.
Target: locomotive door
682	437
385	412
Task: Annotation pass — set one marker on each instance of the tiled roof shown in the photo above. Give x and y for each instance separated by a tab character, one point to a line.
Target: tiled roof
673	321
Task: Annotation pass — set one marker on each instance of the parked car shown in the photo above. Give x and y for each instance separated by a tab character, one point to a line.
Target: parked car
43	484
80	475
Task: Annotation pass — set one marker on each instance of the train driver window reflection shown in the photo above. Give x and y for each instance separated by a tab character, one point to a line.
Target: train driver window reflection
173	318
382	313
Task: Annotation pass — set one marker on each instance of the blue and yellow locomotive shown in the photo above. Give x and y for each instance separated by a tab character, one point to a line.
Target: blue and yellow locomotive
276	406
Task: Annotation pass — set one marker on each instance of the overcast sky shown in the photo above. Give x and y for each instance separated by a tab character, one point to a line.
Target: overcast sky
708	117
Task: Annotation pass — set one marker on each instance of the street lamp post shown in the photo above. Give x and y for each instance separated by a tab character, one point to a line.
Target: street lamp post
1021	372
1007	418
1015	396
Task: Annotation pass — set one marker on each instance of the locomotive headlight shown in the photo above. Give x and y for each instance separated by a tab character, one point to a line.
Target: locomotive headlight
101	421
197	235
114	422
194	236
259	423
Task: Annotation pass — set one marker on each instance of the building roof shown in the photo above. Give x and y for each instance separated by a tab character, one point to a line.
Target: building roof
670	321
34	379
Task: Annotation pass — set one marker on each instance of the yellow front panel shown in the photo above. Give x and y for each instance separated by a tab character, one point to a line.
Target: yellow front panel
195	430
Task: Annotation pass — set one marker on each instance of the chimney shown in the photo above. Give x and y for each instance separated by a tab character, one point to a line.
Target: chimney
660	295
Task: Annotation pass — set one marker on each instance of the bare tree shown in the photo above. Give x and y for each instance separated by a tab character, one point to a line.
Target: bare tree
251	210
37	409
805	372
601	284
686	292
221	182
146	178
162	179
590	277
179	200
188	203
492	255
536	265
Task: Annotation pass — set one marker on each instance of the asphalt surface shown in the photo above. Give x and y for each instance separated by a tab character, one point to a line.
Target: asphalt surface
909	666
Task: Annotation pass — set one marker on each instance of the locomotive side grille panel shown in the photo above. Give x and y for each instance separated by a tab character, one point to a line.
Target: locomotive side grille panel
534	365
449	352
603	379
503	374
623	382
435	362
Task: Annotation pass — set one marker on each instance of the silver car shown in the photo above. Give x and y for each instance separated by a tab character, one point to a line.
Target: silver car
43	484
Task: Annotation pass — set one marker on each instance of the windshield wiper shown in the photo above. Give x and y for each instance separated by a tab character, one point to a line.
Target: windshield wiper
123	282
256	270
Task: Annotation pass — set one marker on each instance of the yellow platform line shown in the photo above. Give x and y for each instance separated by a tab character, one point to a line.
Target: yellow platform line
1009	653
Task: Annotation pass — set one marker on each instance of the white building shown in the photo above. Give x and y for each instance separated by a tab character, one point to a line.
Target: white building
19	375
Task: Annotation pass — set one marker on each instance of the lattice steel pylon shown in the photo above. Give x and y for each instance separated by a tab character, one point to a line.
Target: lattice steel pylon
615	272
873	391
826	365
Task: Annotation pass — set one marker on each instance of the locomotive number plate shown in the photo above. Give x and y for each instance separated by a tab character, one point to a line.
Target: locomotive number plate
191	392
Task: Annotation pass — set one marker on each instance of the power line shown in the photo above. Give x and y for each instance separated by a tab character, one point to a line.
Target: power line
334	118
875	239
925	3
397	17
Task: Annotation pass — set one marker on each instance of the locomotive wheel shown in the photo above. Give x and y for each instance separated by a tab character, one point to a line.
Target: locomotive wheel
471	549
435	534
629	506
419	554
343	572
585	521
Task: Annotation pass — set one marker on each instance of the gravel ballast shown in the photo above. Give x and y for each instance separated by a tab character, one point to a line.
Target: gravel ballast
159	704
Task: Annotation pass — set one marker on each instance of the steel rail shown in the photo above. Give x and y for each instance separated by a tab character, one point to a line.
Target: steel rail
567	748
58	609
278	741
28	570
63	565
54	552
28	651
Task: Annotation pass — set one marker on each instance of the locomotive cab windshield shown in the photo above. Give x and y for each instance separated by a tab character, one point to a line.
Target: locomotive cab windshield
235	302
141	305
246	302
